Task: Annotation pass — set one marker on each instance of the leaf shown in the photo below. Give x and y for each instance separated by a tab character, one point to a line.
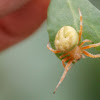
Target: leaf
65	13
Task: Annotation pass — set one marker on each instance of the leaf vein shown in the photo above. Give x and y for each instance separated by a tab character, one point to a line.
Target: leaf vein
73	13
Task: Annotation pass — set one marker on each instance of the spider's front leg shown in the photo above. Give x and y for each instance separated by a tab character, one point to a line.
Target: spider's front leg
64	74
91	55
54	51
64	60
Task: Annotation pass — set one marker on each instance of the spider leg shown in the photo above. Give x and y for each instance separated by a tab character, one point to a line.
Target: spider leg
85	42
91	46
64	74
64	55
80	32
54	51
83	56
64	60
91	55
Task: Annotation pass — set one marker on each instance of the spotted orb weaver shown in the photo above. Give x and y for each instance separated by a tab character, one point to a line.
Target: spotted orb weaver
76	53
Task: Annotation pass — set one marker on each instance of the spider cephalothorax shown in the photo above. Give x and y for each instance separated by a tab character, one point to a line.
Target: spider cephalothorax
67	41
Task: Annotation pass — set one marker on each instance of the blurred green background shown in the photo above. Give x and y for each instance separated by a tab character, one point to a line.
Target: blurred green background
29	71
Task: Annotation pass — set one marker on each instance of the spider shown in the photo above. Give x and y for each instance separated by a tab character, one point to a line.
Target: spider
75	54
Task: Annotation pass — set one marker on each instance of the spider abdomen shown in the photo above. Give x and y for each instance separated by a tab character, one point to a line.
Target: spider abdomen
66	39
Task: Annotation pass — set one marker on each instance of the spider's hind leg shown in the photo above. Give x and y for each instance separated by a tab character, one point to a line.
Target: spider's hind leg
80	32
64	55
84	41
54	51
91	46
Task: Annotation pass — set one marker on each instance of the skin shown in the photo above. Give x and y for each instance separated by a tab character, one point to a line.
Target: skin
19	19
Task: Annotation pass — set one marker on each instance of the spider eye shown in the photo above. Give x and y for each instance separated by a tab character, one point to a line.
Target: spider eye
66	39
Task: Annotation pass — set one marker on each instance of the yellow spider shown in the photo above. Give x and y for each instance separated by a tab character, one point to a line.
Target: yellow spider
76	52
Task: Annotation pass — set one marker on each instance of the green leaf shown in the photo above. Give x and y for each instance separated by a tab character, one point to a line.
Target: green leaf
65	13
